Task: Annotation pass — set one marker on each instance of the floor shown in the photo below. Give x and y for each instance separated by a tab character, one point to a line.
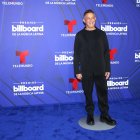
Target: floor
60	122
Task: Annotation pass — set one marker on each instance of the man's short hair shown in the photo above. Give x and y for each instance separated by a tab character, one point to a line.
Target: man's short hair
88	11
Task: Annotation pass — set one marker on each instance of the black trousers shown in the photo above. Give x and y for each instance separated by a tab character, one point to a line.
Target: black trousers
102	91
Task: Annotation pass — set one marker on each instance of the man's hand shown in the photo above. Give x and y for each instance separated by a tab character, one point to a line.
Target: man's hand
79	76
107	74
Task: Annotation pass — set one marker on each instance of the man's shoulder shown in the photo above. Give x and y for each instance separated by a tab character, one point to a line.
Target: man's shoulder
80	32
100	31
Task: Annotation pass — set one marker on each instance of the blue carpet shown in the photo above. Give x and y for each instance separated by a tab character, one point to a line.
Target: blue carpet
60	122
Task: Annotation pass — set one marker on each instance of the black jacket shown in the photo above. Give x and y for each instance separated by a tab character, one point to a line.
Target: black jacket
91	52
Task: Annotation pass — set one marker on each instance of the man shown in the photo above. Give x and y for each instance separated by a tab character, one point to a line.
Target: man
92	65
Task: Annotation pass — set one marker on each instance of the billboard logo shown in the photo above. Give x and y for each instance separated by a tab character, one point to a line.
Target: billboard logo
28	88
22	56
137	3
110	28
63	58
118	83
60	2
112	52
27	28
22	28
115	28
74	82
137	55
22	88
70	25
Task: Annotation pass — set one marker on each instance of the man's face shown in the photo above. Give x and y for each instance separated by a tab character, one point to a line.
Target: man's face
89	20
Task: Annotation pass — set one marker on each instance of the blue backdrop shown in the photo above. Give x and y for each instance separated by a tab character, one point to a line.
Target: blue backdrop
36	49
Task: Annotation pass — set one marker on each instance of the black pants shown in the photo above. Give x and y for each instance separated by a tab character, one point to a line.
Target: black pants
101	89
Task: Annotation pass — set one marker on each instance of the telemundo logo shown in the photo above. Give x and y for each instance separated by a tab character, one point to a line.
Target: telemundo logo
17	3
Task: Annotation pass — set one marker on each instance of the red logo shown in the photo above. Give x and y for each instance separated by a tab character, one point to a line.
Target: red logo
22	56
70	25
74	82
104	1
112	53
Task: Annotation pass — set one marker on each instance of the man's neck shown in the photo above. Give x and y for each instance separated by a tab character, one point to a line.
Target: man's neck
90	29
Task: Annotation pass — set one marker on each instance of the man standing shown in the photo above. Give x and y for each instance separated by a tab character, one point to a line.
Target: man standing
92	65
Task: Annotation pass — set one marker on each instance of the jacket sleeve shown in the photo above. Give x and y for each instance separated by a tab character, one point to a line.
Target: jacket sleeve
106	54
76	59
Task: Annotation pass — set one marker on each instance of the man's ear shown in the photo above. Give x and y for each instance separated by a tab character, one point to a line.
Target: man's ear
84	20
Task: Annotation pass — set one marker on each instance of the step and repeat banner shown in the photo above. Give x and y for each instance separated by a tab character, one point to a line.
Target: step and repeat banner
36	49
